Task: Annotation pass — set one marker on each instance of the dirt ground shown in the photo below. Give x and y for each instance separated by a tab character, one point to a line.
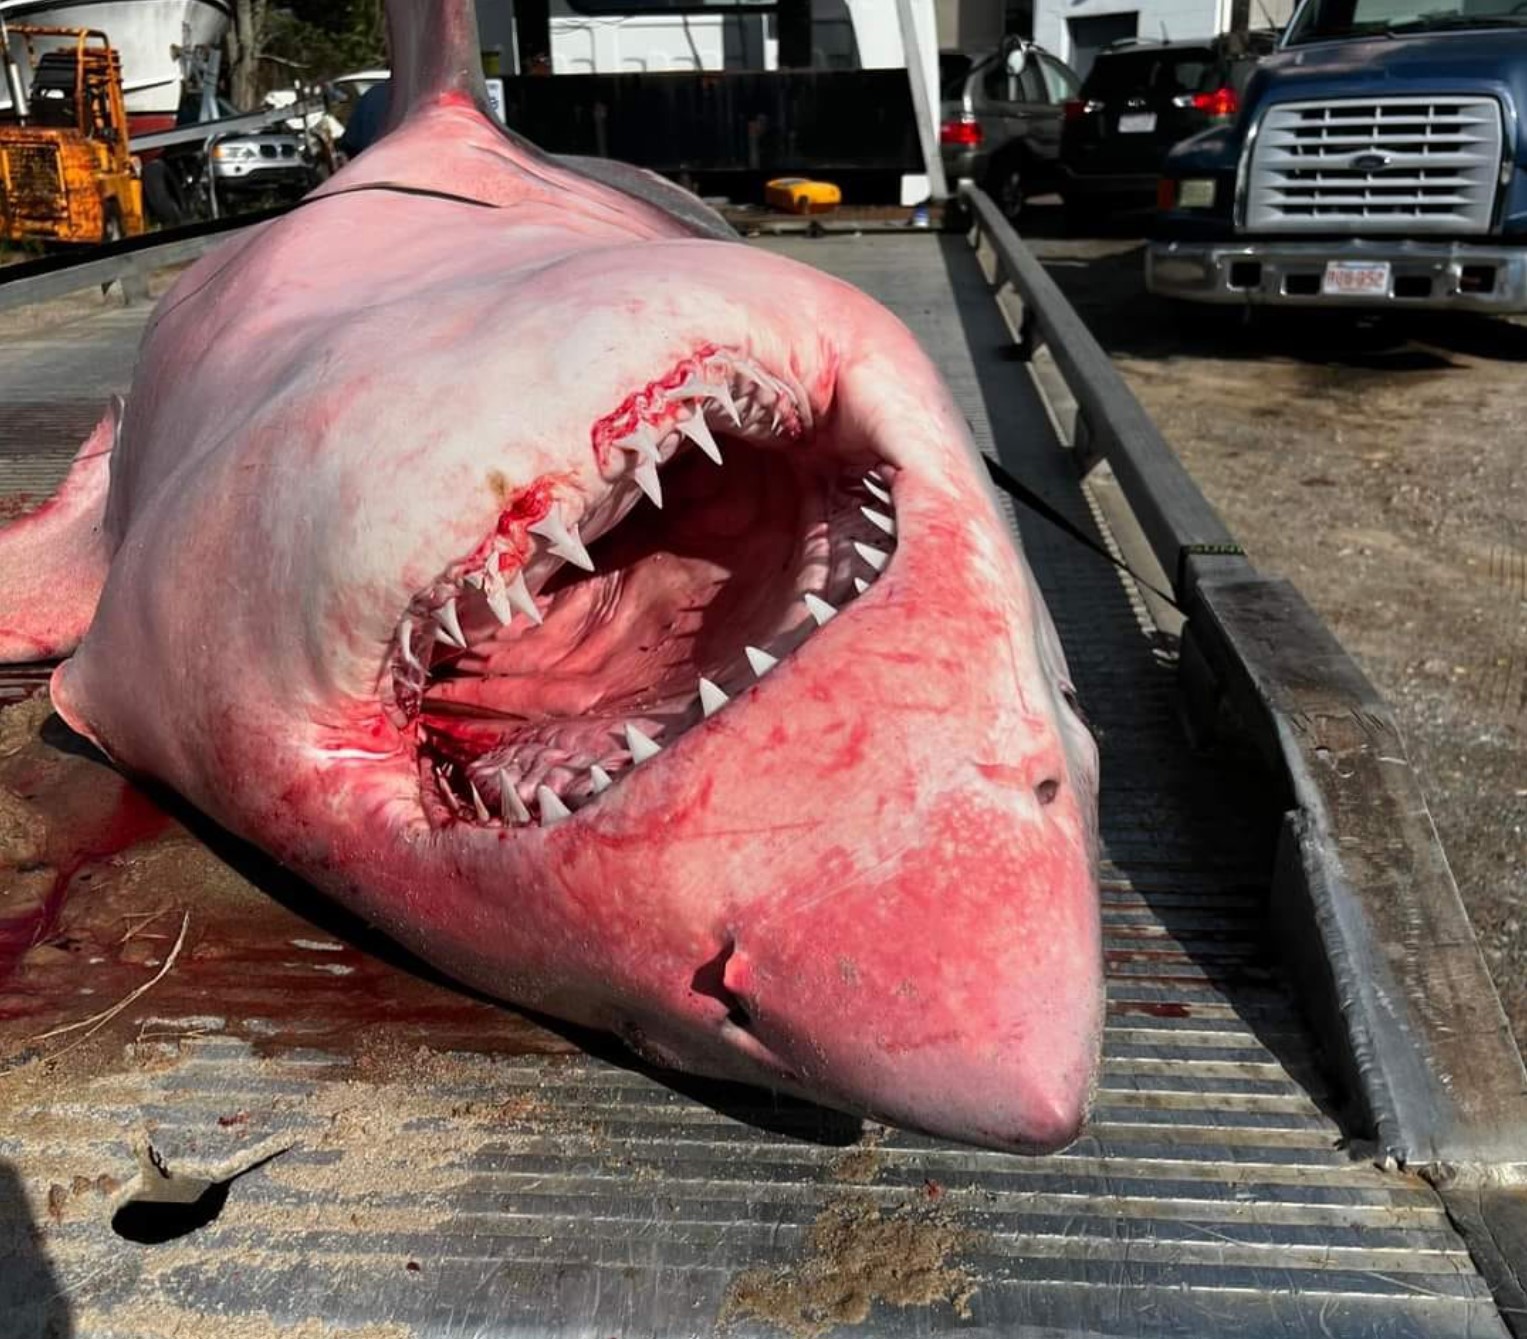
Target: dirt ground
1382	467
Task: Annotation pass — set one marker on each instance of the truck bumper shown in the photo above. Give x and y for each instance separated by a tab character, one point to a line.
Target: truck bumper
1458	276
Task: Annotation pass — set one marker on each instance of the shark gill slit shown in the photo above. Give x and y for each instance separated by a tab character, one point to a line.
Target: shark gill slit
509	672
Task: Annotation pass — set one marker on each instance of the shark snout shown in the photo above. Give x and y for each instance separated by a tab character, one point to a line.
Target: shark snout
975	1019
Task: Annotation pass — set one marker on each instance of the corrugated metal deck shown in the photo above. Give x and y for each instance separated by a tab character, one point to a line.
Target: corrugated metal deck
451	1169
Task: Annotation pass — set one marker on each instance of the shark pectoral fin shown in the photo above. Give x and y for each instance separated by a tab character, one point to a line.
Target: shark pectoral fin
62	692
53	560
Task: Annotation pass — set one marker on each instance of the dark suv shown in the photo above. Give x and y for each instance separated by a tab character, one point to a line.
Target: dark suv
1139	99
1000	120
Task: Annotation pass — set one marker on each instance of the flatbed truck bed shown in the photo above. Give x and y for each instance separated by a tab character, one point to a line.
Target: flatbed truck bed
440	1165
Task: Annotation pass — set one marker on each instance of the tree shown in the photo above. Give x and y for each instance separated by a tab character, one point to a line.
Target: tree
245	41
320	38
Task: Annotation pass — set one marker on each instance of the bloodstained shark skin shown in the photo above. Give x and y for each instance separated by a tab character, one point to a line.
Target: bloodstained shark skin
615	614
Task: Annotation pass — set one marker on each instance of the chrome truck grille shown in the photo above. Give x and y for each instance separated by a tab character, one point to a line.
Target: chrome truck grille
1376	166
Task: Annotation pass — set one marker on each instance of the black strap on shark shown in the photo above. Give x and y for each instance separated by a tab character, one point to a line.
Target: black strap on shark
1022	493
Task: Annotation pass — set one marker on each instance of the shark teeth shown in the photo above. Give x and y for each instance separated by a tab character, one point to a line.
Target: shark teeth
641	747
543	775
553	811
760	662
645	475
450	624
818	608
698	431
510	805
562	539
876	558
712	699
521	600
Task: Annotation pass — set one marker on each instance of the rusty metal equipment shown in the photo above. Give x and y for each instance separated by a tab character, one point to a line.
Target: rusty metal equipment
66	172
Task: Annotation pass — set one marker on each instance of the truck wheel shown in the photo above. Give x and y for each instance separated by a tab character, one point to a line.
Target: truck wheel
160	197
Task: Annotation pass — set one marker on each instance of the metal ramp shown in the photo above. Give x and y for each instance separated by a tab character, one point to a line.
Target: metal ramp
451	1169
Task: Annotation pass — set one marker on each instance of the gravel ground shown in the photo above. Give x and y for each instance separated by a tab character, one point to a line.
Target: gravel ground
1381	467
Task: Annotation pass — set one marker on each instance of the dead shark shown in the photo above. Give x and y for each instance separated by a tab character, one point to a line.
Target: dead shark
615	614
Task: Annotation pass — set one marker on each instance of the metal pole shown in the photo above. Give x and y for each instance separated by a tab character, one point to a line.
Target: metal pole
918	43
13	75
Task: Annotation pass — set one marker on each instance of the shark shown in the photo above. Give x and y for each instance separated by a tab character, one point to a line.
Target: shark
614	613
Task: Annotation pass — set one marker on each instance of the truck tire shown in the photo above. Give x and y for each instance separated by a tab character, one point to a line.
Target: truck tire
160	197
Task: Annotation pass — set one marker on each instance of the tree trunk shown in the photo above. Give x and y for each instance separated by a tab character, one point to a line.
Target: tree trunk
245	39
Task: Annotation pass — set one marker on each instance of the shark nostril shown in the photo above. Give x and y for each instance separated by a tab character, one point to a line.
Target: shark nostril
1047	790
710	980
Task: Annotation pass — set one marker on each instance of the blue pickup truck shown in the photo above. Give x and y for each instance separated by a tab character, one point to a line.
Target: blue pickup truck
1378	160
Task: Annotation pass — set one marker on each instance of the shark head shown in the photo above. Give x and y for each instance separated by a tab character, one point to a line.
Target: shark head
619	617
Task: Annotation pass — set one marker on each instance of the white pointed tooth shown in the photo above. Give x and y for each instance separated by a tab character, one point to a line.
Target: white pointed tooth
688	389
861	585
450	624
873	484
406	645
698	431
876	558
712	699
641	747
599	779
477	804
521	599
562	539
818	608
723	392
498	602
553	811
509	802
879	520
645	475
761	662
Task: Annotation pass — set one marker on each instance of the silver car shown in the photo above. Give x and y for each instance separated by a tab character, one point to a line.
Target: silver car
1000	119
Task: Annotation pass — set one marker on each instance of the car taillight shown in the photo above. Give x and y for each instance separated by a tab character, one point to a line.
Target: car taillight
964	131
1166	194
1223	102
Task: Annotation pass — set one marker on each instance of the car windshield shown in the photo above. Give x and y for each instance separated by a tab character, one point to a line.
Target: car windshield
1126	74
1325	20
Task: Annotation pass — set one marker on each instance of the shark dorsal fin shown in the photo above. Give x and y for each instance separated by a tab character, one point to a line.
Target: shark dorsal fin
435	55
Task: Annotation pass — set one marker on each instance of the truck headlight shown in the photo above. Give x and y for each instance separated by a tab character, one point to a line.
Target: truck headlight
1195	193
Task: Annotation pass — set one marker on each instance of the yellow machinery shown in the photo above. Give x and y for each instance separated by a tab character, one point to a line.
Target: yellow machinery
65	171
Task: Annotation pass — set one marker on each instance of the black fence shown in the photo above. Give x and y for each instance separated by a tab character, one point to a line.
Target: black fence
702	123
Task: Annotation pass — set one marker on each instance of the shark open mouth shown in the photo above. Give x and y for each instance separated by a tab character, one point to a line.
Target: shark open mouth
588	632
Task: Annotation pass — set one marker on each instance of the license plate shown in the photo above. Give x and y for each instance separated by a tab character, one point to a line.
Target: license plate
1137	123
1356	278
